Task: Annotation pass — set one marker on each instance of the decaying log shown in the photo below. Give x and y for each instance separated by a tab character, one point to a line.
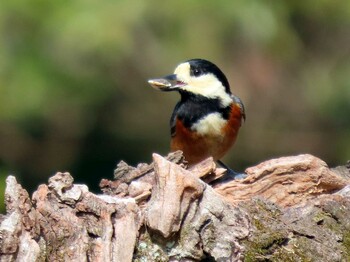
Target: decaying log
285	209
286	181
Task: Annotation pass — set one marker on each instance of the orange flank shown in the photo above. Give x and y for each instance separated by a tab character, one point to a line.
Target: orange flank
199	147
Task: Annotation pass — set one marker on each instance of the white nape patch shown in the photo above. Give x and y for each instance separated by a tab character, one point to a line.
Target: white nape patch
206	85
210	125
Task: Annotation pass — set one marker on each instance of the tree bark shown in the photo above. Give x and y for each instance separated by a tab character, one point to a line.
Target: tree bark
286	209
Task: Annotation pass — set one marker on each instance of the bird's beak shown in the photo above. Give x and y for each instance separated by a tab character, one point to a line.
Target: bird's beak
166	83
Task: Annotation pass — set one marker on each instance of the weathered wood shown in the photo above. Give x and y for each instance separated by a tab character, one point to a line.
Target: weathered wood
286	209
286	181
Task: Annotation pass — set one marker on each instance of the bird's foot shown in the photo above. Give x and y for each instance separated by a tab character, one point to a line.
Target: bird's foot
231	174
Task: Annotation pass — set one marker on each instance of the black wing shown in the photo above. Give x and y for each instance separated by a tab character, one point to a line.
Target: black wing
241	105
173	120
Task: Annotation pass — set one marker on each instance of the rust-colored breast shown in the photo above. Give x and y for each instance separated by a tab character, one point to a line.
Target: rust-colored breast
199	147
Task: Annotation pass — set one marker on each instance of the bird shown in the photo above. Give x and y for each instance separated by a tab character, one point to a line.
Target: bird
206	120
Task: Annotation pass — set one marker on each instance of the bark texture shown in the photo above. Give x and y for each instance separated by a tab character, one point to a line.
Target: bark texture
286	209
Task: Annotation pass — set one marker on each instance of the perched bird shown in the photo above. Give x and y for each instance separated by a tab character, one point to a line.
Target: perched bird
205	122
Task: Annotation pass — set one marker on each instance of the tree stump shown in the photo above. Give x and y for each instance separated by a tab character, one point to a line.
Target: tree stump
286	209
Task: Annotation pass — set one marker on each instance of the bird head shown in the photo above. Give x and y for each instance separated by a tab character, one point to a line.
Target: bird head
197	77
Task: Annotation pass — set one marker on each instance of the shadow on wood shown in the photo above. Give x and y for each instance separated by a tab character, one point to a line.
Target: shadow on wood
286	209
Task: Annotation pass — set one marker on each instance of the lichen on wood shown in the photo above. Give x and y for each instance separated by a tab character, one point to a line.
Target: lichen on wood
286	209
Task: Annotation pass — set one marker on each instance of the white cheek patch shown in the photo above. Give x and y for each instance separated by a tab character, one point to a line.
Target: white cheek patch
206	85
210	125
209	86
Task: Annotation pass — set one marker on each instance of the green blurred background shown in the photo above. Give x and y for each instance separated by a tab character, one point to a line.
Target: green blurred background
74	96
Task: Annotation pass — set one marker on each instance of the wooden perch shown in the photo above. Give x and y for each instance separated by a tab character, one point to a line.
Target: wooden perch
286	209
286	181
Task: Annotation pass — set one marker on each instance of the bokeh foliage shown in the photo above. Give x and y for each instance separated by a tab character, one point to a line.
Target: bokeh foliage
73	79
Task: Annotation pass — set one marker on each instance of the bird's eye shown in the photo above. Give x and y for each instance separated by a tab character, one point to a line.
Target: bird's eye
196	72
